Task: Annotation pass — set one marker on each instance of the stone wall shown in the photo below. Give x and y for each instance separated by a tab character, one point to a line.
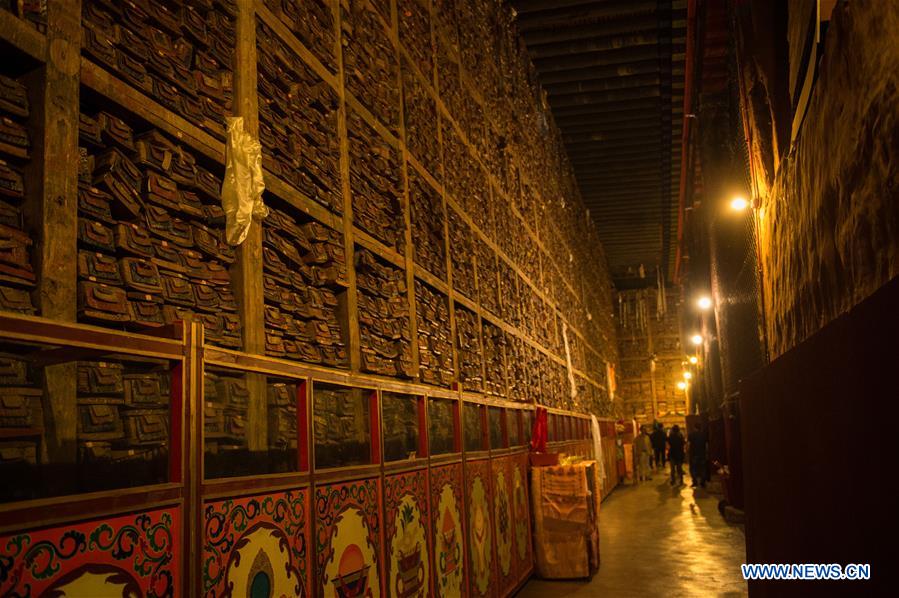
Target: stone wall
830	224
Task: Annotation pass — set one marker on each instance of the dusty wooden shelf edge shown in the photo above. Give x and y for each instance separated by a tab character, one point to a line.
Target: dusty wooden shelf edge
22	36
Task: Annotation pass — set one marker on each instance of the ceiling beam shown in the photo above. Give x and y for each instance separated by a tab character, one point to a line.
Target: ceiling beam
617	82
545	14
601	44
603	29
606	58
601	72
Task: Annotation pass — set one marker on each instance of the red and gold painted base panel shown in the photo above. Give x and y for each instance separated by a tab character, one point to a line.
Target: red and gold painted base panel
503	524
406	525
479	503
348	557
128	555
521	517
252	543
450	565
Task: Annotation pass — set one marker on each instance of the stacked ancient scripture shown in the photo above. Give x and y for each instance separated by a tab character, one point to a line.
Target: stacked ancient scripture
494	359
17	276
33	12
151	246
304	270
383	317
488	281
468	349
342	426
21	419
420	121
369	61
375	183
312	23
462	255
281	399
225	401
435	349
297	122
428	235
123	415
178	53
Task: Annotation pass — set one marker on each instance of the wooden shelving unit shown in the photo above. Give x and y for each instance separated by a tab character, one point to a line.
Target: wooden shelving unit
511	164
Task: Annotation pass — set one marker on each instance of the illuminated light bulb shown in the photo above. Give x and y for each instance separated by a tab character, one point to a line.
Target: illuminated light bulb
696	339
682	385
704	302
688	375
694	360
739	204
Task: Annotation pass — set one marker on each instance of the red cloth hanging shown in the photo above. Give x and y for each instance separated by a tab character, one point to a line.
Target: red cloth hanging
539	433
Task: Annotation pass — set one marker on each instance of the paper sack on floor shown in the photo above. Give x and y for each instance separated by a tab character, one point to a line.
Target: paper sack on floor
564	498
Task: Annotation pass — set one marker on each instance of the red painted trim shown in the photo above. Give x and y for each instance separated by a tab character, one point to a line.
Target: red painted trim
375	414
422	427
176	422
686	160
303	426
457	428
504	423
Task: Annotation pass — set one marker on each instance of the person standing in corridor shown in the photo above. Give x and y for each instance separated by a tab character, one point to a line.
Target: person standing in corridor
697	447
676	455
643	448
658	446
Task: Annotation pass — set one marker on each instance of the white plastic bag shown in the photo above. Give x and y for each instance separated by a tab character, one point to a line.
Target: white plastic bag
243	185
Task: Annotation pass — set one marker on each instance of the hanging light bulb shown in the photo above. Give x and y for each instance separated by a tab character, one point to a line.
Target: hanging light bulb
682	385
693	360
688	375
739	203
704	302
696	339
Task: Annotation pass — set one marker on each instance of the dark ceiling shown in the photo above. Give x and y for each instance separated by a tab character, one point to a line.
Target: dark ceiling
613	72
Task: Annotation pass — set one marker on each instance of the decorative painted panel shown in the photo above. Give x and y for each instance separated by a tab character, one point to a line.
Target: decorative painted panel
132	555
348	540
480	527
503	525
257	543
406	524
447	532
521	519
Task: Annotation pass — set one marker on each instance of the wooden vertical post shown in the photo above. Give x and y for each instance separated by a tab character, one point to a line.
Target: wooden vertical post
53	178
408	251
349	301
247	272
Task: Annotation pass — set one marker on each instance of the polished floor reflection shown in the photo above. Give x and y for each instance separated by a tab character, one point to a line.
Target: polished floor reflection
659	541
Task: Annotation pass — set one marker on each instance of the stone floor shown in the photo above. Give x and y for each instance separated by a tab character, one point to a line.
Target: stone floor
656	540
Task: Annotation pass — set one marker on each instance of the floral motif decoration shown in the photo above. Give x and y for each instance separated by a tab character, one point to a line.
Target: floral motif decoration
477	475
331	502
231	523
406	524
502	518
447	532
142	548
520	501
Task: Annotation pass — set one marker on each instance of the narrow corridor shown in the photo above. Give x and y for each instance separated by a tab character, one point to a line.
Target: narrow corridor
659	541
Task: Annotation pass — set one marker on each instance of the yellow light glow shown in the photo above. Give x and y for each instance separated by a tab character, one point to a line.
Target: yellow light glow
694	360
739	203
696	339
682	385
704	302
688	375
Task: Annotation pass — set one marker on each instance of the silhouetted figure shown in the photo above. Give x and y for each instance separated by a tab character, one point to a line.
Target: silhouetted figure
697	446
676	455
643	448
658	445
